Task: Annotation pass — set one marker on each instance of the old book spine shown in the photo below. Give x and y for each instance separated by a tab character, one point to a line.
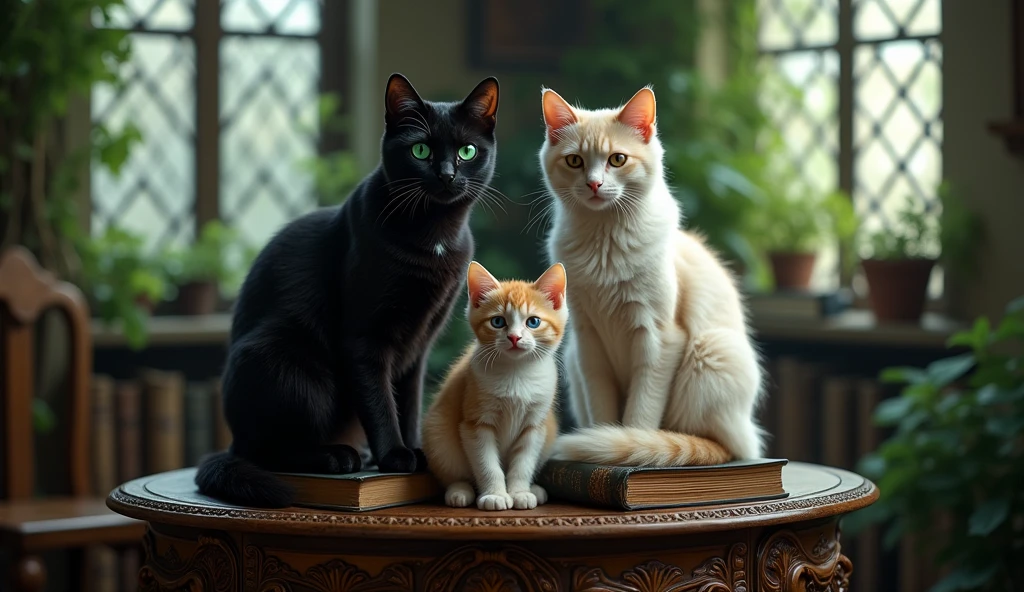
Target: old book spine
794	393
221	431
102	560
835	422
868	543
129	430
165	433
104	436
198	423
585	484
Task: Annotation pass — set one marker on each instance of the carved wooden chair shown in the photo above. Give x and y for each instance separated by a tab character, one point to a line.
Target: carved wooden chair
29	525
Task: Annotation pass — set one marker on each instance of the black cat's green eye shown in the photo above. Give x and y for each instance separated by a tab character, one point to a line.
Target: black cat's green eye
574	160
467	152
421	151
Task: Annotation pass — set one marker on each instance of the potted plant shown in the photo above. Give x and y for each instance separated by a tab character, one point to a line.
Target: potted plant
122	282
900	260
793	223
216	260
951	473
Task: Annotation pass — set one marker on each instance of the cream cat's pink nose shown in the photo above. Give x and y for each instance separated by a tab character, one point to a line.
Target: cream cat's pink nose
594	185
514	339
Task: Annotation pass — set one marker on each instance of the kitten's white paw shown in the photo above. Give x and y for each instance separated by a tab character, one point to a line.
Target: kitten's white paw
459	495
541	493
494	502
523	500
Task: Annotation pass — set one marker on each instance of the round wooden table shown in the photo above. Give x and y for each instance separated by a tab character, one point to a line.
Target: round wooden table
195	543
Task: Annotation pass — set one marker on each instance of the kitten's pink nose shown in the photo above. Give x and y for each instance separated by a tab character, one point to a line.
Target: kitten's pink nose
594	185
514	339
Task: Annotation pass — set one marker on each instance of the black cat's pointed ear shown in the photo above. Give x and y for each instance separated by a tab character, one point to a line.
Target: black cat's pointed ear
400	97
482	103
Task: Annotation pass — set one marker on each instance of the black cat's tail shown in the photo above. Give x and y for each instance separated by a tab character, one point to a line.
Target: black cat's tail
235	480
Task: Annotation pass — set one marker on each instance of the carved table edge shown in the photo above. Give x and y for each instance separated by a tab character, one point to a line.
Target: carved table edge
693	520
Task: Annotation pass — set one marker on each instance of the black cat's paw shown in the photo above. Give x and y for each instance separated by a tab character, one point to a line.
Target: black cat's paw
421	459
321	461
398	460
346	458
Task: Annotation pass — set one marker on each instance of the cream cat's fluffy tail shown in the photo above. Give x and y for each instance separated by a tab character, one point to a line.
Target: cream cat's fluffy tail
635	447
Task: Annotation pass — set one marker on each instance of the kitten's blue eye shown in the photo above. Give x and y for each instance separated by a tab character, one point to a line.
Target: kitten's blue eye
533	322
420	151
467	152
497	322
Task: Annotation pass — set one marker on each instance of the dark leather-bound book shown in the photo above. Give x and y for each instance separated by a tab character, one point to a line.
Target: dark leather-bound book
358	492
633	488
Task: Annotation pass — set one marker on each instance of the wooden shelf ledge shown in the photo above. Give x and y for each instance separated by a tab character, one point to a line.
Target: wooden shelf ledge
855	327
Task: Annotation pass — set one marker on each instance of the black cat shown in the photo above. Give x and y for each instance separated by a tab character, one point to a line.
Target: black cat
334	323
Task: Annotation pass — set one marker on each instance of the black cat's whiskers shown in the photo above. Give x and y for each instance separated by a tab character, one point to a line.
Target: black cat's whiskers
488	195
403	199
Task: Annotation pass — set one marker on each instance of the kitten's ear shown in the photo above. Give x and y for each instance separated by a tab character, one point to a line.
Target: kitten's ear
400	97
557	113
481	282
639	113
482	103
552	284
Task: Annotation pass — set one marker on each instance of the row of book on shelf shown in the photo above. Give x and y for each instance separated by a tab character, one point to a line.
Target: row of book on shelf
152	423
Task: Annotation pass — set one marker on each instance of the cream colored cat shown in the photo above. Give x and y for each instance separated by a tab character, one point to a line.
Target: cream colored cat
659	359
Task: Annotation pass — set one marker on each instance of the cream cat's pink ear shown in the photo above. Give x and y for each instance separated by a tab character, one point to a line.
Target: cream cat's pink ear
557	113
481	282
552	284
639	113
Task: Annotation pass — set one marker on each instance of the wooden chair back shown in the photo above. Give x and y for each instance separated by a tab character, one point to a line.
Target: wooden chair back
26	291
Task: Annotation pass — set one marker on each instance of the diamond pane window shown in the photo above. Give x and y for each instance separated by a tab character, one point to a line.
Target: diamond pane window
898	133
155	193
269	98
284	17
787	24
893	148
153	15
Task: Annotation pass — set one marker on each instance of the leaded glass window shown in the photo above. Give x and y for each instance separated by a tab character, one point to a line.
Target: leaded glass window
869	117
267	95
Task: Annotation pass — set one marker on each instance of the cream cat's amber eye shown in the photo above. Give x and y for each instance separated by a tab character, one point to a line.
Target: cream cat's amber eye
617	159
574	160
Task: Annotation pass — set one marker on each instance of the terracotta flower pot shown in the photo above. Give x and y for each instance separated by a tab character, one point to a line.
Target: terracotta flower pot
146	303
792	271
897	287
197	298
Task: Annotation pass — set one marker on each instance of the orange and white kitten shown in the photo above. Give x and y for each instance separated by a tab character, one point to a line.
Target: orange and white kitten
659	360
494	417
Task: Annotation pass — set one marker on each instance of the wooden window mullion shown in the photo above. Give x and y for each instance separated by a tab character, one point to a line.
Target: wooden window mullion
207	35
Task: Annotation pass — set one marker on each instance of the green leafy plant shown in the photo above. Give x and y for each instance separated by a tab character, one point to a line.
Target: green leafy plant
218	256
795	218
121	279
336	173
915	236
952	471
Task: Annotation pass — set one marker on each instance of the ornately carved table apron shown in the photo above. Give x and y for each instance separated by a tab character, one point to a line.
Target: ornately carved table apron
195	543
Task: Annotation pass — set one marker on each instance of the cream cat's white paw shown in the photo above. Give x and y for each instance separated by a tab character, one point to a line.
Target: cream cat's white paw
460	495
523	500
541	493
494	502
